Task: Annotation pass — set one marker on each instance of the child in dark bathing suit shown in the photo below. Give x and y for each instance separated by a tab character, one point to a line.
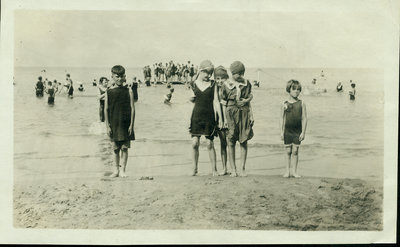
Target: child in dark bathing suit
293	126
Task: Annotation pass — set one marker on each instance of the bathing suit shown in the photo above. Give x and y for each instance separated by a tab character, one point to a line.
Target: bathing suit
293	125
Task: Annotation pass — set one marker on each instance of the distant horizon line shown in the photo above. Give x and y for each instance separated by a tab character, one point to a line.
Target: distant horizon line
252	67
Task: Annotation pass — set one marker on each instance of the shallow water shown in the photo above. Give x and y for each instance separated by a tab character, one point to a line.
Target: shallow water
344	138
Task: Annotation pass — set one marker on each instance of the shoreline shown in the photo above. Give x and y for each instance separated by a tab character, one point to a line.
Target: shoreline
256	202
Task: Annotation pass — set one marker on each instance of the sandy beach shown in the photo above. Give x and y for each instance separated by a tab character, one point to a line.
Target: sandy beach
182	202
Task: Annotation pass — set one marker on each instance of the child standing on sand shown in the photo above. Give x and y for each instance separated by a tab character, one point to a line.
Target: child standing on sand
204	114
293	125
119	112
220	76
236	94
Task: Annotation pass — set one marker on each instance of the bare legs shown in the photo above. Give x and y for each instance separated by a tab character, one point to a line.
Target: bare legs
211	154
222	139
195	153
231	157
243	158
124	156
292	152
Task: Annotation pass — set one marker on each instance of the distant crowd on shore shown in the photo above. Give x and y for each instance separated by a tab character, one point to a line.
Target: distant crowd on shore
169	72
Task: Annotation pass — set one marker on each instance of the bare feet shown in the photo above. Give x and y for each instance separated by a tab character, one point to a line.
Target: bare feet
114	175
243	174
122	174
295	175
215	174
234	174
224	173
286	175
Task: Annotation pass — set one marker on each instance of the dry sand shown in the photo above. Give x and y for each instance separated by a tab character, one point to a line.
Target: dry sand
255	202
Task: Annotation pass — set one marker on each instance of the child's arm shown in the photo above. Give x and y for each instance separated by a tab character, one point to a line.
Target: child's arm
282	120
217	107
130	130
106	115
303	122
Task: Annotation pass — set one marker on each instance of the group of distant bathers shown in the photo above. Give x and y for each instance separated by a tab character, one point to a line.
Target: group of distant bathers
52	87
169	72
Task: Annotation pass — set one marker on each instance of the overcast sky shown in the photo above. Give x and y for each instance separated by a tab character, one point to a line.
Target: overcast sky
258	38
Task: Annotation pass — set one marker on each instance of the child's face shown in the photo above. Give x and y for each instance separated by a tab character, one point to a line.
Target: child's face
237	77
220	80
295	91
117	79
205	75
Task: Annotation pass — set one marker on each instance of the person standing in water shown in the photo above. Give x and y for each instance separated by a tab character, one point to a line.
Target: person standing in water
39	87
119	112
293	126
51	91
103	86
70	87
352	91
204	114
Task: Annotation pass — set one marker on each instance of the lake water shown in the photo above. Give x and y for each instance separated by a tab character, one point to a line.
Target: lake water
344	138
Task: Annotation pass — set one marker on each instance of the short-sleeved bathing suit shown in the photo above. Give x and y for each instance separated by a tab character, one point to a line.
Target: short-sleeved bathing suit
293	126
202	121
237	117
119	115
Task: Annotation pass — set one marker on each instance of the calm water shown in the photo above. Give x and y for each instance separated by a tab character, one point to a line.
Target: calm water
344	139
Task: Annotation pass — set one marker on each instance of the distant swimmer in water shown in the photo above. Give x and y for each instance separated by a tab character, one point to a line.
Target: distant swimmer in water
314	81
339	87
70	87
168	96
293	126
39	87
352	91
94	83
134	87
81	88
256	83
51	91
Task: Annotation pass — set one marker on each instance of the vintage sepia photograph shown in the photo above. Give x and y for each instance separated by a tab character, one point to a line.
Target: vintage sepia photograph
200	121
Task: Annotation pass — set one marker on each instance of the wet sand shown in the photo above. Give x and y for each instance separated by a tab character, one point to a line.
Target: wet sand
256	202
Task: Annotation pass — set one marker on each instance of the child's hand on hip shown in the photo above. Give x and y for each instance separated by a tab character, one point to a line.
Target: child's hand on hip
301	137
130	130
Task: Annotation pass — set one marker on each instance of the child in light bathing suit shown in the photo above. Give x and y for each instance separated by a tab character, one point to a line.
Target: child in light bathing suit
293	126
237	95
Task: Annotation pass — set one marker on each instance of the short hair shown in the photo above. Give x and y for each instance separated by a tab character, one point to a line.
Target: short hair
49	83
172	90
39	77
102	79
353	85
292	83
118	70
68	75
